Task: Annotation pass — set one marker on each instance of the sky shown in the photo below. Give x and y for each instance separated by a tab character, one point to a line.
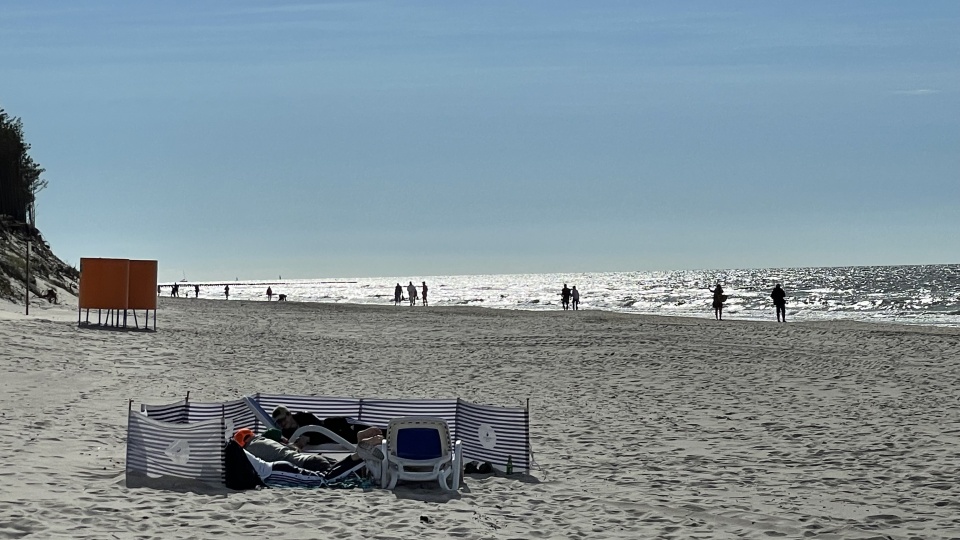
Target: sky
258	139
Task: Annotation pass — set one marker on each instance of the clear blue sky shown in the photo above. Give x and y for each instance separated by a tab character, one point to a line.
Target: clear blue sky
232	138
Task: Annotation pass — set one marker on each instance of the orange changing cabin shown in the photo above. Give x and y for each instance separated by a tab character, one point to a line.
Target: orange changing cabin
117	285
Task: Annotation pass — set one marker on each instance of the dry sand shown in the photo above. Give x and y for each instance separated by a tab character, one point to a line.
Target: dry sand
645	427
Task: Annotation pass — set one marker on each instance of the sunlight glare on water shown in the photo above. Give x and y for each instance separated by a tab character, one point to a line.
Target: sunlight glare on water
927	294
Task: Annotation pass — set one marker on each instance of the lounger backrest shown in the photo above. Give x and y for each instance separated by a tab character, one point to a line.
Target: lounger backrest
419	443
261	414
418	437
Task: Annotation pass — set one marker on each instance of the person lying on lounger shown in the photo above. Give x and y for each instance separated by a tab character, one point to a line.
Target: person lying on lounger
286	472
271	450
347	428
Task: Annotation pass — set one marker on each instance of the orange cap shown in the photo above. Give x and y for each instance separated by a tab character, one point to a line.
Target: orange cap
243	436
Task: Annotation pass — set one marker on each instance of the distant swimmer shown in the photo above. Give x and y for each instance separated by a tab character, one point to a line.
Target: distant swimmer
779	302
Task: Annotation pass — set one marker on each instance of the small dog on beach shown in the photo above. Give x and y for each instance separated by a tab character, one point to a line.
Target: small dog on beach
281	298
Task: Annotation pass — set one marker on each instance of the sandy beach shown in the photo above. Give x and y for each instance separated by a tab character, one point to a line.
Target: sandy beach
643	427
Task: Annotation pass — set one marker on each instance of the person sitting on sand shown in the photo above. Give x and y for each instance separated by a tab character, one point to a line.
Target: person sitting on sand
348	428
50	296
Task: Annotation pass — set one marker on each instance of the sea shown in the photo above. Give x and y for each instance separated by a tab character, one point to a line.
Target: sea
921	294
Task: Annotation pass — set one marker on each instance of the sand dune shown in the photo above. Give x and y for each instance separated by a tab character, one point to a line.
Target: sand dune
644	427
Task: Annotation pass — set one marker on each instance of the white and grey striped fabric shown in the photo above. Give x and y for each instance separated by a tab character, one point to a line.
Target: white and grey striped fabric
235	414
190	451
493	434
330	406
285	479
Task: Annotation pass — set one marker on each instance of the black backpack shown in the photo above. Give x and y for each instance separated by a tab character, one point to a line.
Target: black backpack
238	472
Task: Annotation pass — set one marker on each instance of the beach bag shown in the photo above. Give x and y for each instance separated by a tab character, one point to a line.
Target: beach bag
238	473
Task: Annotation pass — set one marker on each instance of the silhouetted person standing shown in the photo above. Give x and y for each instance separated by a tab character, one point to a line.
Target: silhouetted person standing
780	303
269	294
424	293
196	291
412	293
718	299
575	295
226	291
565	296
397	295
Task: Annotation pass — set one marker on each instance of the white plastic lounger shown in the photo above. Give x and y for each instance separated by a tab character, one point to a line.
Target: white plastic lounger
418	448
339	443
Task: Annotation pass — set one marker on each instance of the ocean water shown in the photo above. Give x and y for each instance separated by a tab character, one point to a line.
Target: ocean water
928	294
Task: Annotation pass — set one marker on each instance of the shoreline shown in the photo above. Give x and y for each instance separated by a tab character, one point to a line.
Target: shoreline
68	311
917	294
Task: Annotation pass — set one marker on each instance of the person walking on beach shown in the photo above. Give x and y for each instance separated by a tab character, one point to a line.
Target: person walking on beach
424	293
412	293
196	291
575	294
397	295
269	293
226	291
565	296
779	302
718	299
